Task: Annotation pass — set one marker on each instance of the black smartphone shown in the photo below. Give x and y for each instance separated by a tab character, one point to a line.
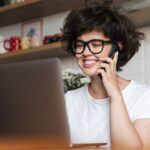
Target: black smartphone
115	48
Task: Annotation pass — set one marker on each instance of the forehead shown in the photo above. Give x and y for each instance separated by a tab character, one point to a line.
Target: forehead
92	35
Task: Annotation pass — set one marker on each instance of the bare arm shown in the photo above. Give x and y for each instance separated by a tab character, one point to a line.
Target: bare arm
142	126
122	130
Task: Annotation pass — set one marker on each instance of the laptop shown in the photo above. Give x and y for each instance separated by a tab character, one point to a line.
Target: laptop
32	105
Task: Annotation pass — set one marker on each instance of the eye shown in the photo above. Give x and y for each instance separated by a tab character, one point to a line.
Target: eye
79	44
96	43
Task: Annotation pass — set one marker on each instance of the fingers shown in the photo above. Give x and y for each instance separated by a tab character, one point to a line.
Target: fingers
110	60
107	60
105	66
102	73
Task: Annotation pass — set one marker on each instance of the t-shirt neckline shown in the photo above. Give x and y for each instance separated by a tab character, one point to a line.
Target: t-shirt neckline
105	100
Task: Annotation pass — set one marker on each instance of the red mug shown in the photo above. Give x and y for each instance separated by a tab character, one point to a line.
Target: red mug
12	44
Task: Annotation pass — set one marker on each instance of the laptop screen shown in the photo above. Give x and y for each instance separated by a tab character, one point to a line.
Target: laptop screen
32	101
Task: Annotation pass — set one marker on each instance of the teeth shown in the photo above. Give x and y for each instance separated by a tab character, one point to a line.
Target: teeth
88	62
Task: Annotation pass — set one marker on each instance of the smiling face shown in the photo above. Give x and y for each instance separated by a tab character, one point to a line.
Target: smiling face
88	62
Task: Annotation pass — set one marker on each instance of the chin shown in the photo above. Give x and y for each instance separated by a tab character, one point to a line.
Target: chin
89	73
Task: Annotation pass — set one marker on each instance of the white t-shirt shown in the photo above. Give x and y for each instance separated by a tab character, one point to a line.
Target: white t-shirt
89	118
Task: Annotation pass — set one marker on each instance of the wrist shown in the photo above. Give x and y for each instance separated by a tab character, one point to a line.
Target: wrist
117	95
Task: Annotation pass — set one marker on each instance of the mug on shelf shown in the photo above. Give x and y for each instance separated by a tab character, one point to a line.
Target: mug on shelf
2	49
12	44
36	41
25	42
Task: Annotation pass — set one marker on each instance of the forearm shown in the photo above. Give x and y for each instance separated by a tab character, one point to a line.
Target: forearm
121	128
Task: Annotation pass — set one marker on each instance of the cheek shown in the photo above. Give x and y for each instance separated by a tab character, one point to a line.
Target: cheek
78	57
105	51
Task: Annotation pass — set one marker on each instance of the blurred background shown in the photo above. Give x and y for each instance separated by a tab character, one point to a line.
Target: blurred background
51	17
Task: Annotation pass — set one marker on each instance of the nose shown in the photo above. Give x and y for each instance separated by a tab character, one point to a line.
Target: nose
87	51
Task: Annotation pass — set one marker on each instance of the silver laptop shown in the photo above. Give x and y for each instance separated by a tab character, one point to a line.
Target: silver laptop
32	105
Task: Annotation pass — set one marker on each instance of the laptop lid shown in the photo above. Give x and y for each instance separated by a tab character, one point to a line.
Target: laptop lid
32	102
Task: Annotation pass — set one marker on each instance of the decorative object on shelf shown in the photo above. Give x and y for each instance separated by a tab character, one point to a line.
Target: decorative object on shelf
73	80
34	30
2	49
52	38
13	44
25	42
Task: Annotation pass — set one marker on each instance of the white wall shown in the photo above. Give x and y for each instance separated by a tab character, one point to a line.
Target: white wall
137	69
139	66
54	23
51	25
146	47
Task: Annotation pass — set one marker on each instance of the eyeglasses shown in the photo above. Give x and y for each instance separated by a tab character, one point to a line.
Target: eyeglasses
95	46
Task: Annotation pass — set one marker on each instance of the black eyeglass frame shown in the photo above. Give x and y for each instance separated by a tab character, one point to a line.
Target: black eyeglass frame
87	44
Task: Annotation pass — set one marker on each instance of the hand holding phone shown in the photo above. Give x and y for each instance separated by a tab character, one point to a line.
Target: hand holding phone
115	48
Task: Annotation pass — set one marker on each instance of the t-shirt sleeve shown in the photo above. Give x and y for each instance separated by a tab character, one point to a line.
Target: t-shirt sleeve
142	107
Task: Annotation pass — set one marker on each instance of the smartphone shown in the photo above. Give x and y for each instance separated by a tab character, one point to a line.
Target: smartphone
115	48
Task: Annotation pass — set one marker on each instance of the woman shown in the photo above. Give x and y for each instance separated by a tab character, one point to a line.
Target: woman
110	108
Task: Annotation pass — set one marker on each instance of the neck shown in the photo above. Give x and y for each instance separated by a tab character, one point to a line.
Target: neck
96	88
123	83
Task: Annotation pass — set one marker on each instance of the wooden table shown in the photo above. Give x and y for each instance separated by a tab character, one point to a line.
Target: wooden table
36	143
45	144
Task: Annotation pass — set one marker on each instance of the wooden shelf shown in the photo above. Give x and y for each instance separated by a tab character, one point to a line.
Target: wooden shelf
45	51
31	9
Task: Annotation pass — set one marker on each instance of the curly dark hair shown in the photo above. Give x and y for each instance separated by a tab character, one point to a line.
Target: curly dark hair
114	25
